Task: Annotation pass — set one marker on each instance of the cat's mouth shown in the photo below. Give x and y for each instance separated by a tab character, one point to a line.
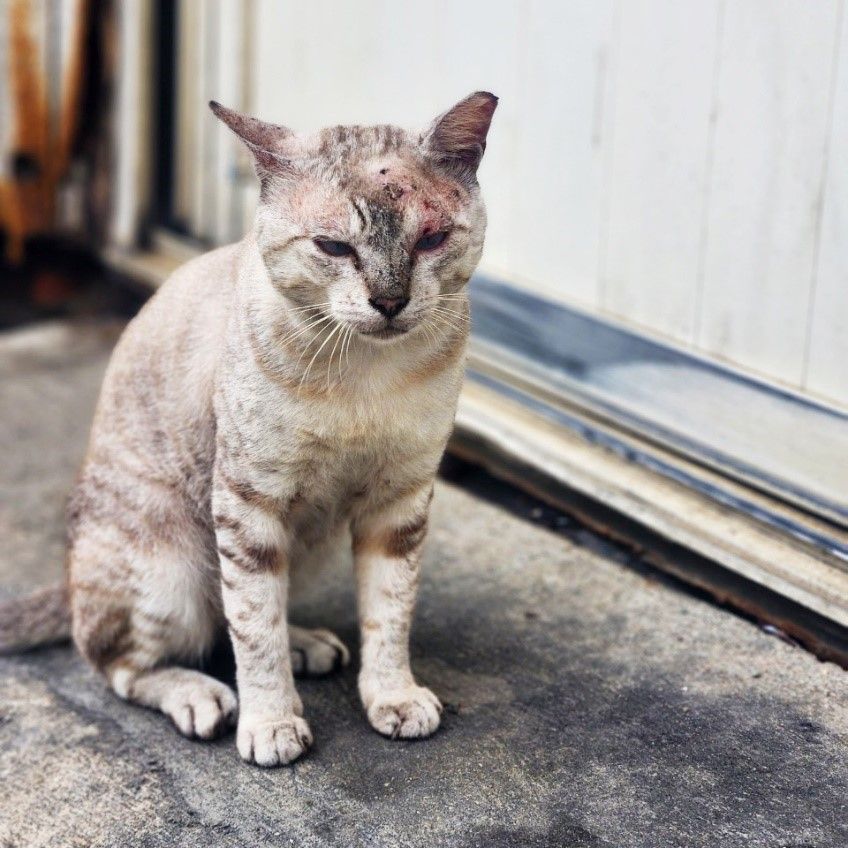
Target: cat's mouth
389	331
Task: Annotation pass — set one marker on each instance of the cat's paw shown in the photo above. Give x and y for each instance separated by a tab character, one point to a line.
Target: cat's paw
316	652
408	713
201	709
272	742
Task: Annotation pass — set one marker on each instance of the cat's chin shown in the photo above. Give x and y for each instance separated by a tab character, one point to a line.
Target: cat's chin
385	334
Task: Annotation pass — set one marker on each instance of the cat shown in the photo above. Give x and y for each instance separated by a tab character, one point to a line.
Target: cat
279	402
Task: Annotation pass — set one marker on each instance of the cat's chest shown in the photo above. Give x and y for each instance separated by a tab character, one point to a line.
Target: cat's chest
337	472
336	446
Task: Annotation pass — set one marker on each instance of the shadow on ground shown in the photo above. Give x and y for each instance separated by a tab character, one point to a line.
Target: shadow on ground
586	705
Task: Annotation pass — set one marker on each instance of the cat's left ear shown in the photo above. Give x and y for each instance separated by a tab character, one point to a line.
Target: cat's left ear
457	139
267	142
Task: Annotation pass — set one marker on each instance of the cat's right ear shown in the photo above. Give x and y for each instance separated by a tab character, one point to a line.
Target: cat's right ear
457	139
267	142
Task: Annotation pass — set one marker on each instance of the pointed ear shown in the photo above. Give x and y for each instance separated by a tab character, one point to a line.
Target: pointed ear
457	138
267	142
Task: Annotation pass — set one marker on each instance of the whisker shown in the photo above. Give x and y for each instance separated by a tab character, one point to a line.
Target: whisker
445	311
458	321
319	335
448	311
332	354
442	331
430	334
333	331
311	322
345	338
304	329
301	331
437	331
446	320
307	307
347	348
451	305
439	297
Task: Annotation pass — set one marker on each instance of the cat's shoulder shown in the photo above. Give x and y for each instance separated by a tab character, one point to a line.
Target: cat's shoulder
209	269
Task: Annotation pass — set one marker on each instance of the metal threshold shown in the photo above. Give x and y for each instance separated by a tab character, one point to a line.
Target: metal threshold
746	475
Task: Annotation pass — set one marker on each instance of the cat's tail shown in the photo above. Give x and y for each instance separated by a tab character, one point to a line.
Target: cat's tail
35	619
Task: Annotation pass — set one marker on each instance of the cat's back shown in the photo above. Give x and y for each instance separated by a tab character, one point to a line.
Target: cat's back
156	398
189	309
173	344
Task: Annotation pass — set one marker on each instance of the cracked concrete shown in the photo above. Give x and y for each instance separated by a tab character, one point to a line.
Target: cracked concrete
587	704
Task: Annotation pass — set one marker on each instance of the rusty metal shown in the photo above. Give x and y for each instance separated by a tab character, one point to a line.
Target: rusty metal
825	639
42	144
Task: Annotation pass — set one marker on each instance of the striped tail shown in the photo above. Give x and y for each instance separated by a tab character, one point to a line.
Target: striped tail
42	617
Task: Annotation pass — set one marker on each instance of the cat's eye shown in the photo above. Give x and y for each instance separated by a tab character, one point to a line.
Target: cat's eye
431	241
334	248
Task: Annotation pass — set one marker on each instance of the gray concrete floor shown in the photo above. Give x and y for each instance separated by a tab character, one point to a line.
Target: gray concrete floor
588	705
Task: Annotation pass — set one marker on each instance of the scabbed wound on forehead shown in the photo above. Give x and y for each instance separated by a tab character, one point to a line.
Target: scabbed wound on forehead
353	192
428	174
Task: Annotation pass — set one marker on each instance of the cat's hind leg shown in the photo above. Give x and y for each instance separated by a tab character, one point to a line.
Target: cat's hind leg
139	609
135	650
316	652
200	706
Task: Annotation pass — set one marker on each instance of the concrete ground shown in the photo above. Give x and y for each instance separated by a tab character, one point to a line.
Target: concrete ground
587	704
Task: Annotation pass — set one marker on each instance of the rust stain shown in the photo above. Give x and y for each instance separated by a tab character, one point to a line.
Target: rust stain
40	153
72	84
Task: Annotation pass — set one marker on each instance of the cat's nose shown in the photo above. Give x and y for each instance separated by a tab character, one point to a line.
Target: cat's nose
389	306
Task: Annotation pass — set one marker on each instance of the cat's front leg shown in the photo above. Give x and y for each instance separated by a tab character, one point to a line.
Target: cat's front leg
387	548
253	549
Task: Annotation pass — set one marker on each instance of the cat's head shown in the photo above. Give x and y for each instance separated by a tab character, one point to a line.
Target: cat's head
371	225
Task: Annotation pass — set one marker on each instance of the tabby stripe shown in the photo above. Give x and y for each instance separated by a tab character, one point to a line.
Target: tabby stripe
228	584
243	490
254	559
247	641
404	540
227	521
399	542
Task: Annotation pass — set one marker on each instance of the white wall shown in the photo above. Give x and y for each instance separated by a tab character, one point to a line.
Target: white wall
681	166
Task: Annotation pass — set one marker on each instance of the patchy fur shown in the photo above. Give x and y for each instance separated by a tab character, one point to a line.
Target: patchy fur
261	412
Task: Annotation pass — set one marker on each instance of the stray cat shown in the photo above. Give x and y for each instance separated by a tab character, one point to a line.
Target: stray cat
276	401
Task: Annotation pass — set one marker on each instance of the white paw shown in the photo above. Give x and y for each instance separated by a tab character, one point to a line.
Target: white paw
316	652
272	741
202	709
409	713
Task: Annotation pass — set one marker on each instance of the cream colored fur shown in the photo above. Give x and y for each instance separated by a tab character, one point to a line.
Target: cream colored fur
261	417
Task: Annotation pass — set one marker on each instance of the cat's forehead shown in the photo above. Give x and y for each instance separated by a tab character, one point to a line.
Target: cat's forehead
401	195
396	178
381	159
353	142
375	181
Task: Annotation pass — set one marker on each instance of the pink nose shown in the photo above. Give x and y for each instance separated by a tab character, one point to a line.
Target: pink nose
389	306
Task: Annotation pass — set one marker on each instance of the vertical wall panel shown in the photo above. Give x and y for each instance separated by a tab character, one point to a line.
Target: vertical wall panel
316	62
827	368
490	61
206	187
664	88
658	161
559	149
229	90
772	116
132	165
384	62
188	121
